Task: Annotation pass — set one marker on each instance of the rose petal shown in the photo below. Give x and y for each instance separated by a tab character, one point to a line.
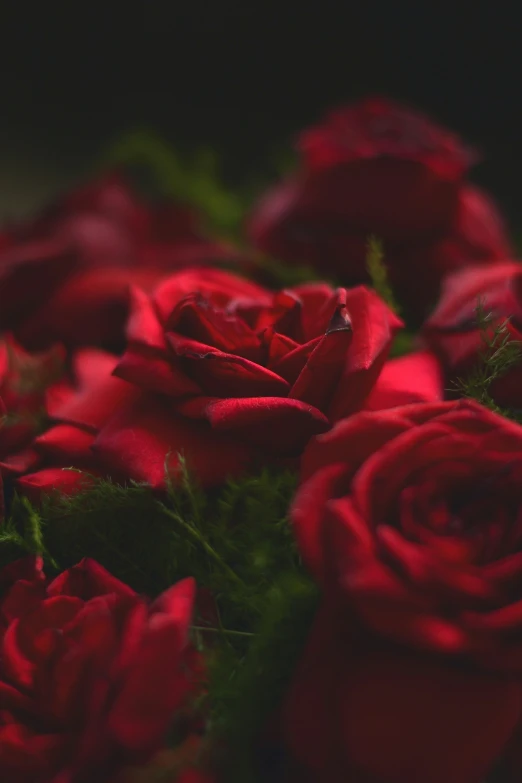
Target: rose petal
374	326
93	405
292	358
21	462
417	377
154	686
281	426
461	290
47	480
28	569
154	373
86	580
223	374
353	440
197	318
68	315
387	471
66	445
136	441
221	286
307	514
143	325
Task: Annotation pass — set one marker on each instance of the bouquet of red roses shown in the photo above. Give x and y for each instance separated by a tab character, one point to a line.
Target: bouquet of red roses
260	521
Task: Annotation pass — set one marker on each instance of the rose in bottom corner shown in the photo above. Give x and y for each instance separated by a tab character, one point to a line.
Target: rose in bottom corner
91	676
411	521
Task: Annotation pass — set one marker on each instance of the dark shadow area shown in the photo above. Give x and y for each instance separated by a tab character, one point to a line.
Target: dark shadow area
244	77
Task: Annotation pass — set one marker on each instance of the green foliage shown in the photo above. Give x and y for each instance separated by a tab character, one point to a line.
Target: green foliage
13	543
196	182
499	355
22	534
379	274
236	542
261	680
403	343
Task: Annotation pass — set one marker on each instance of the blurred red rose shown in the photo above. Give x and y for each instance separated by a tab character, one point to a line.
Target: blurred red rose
24	381
377	168
410	520
452	331
91	676
65	276
76	409
230	372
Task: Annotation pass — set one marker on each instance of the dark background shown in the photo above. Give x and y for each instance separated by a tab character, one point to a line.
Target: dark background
244	77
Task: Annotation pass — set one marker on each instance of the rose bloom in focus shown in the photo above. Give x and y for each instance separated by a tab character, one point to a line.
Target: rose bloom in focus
410	521
231	374
377	168
91	676
224	373
64	277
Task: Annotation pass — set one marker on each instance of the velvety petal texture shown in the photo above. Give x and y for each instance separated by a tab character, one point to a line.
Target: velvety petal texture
409	519
91	675
230	373
217	369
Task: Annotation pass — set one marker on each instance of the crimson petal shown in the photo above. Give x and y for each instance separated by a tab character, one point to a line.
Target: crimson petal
197	318
154	373
223	374
136	442
282	426
417	377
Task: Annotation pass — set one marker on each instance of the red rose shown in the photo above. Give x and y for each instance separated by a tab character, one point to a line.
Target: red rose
452	331
106	222
65	276
91	676
231	371
77	409
410	520
378	168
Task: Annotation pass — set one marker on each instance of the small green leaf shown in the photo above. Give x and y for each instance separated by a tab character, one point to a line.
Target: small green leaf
195	182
